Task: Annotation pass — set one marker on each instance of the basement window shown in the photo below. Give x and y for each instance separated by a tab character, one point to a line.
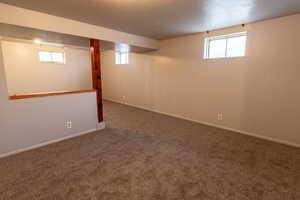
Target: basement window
226	46
122	58
52	57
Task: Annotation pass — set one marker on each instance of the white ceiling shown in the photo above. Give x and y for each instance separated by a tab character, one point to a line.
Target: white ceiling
161	19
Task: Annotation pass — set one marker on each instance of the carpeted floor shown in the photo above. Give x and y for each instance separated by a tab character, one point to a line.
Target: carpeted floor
147	156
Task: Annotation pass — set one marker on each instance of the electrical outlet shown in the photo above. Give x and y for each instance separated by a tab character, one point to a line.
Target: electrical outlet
220	116
68	124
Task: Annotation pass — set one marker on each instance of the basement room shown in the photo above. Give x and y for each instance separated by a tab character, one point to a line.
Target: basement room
149	100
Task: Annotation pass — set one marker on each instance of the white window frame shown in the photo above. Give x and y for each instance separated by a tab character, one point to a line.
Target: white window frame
53	61
118	58
221	37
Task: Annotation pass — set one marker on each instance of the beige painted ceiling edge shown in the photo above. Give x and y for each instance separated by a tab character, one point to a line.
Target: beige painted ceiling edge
32	19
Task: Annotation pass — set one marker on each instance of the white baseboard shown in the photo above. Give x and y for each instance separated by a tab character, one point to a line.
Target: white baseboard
101	126
210	124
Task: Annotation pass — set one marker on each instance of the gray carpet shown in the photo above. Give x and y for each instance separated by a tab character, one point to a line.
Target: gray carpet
148	156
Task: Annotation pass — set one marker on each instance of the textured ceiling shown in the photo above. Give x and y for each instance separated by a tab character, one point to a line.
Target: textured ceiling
161	19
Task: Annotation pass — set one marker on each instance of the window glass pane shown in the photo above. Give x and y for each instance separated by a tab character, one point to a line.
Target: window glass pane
217	48
118	58
124	58
45	56
236	46
58	57
127	58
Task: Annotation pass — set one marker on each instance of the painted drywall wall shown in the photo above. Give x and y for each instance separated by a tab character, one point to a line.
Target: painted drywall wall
257	94
26	74
28	122
32	19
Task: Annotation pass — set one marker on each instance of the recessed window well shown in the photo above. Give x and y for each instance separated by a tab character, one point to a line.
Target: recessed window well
53	57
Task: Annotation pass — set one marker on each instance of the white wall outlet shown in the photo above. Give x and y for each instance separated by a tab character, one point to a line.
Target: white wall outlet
68	124
220	116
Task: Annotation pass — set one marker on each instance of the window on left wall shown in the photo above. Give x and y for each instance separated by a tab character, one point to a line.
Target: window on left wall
122	58
52	57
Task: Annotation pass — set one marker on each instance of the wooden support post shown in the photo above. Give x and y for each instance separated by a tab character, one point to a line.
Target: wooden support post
96	74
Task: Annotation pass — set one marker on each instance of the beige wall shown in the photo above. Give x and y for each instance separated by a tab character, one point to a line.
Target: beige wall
25	74
257	94
28	122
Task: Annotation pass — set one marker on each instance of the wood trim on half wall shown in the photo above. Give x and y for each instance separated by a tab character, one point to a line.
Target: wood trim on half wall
26	96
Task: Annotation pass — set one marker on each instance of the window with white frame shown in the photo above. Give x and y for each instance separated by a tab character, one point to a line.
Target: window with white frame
226	46
53	57
122	58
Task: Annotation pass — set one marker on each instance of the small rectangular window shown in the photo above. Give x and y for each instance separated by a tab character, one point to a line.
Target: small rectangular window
54	57
122	58
226	46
